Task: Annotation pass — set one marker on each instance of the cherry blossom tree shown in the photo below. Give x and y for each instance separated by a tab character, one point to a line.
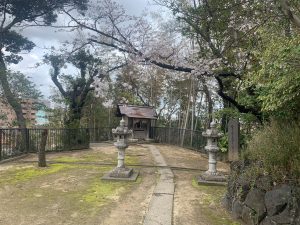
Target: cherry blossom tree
143	43
213	41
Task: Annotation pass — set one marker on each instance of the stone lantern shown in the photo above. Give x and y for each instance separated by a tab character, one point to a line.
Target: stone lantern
211	176
121	172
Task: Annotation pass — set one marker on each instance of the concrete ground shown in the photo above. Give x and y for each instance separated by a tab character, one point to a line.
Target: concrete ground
70	191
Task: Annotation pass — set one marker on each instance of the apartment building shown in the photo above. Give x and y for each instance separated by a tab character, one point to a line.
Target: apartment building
8	117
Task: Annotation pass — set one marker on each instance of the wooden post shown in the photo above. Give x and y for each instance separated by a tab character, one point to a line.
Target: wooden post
233	139
42	152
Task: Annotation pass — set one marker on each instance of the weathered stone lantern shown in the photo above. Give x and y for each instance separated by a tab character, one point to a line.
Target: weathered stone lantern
121	172
211	176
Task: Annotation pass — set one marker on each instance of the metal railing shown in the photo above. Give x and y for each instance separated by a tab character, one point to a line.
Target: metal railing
15	142
100	134
191	139
181	137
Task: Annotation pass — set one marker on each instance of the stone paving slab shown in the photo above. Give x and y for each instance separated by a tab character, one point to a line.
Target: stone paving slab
166	175
165	188
159	159
160	210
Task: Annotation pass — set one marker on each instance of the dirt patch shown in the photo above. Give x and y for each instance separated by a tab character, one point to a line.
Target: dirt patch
181	157
186	201
132	207
194	204
70	193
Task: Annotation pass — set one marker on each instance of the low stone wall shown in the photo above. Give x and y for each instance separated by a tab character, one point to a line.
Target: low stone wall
261	201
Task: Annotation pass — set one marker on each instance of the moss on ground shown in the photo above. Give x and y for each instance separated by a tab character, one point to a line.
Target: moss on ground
87	198
67	187
101	192
210	204
20	174
85	158
129	160
23	174
67	159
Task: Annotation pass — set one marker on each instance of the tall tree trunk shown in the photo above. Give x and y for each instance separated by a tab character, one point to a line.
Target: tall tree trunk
179	112
11	99
209	102
224	119
186	116
193	109
75	115
199	110
42	150
73	138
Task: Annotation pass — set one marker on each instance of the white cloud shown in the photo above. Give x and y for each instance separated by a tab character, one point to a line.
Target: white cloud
45	37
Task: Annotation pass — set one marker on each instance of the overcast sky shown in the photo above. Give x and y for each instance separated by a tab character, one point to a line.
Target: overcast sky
45	37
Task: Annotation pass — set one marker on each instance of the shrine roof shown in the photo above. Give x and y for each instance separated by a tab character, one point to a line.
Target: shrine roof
134	111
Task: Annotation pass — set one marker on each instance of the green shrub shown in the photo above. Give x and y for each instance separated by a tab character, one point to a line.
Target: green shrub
276	149
223	143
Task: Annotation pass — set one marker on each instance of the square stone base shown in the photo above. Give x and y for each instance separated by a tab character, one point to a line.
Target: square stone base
213	180
121	172
126	174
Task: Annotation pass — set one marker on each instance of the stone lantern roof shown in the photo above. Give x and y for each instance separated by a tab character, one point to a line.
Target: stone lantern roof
212	132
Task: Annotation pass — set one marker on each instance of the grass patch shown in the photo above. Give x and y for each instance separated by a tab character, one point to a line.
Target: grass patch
130	160
74	191
67	159
20	174
212	195
25	174
104	158
210	204
100	192
86	158
85	195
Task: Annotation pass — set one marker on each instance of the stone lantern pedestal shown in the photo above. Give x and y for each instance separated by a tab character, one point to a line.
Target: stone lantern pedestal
211	176
121	172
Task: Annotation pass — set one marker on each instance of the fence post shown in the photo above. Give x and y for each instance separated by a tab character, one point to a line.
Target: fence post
192	135
166	139
87	137
69	138
42	152
27	140
0	144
